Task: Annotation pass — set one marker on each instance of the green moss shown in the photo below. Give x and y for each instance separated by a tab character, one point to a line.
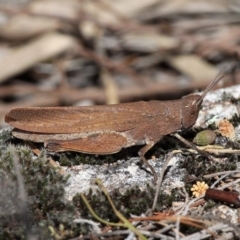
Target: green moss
71	158
44	187
5	135
199	166
134	201
75	158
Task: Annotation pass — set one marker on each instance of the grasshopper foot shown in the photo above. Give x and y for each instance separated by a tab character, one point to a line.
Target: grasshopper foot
141	154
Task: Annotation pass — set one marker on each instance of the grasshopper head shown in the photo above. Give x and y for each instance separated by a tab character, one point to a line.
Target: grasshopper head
191	103
190	108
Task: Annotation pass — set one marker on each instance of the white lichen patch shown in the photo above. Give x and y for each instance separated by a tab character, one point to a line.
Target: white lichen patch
226	213
121	175
217	106
216	96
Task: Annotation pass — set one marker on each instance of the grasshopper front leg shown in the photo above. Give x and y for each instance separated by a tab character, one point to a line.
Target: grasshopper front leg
142	152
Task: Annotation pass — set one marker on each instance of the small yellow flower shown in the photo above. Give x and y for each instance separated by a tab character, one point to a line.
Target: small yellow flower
199	188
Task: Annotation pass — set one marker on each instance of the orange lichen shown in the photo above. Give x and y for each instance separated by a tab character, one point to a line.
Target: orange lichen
226	129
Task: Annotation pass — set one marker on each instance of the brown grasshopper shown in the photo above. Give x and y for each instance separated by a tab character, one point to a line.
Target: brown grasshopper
106	129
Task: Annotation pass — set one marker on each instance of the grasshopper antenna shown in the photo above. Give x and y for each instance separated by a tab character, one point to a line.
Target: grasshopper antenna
219	76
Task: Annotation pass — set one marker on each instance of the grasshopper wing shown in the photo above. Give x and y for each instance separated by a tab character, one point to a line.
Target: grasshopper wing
118	117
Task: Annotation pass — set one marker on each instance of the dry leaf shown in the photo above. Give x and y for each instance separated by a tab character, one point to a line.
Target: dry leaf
21	27
149	43
47	46
194	67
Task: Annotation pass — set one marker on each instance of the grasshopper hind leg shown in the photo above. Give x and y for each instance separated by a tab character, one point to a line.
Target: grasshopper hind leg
95	143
